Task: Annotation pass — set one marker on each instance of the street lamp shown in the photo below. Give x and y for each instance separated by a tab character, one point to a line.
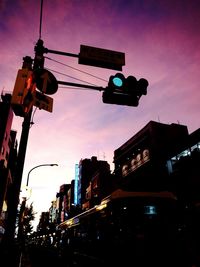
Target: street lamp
23	205
41	165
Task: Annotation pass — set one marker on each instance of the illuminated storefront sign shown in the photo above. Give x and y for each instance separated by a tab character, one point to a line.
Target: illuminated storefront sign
76	184
135	162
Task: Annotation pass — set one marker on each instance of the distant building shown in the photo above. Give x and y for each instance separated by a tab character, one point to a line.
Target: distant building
101	184
43	225
62	200
94	181
53	212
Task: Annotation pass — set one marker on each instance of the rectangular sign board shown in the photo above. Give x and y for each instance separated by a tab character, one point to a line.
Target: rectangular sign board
43	101
103	58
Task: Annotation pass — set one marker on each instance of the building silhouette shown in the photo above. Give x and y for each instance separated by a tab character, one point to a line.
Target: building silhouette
94	181
184	169
8	155
152	160
160	157
93	184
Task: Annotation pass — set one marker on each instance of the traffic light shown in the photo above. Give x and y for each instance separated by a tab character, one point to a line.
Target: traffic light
21	96
124	91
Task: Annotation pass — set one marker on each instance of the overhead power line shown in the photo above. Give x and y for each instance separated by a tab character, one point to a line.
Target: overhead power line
76	69
70	76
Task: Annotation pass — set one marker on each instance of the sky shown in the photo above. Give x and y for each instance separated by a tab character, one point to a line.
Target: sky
161	42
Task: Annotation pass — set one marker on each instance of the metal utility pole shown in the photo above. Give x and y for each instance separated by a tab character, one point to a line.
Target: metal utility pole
17	179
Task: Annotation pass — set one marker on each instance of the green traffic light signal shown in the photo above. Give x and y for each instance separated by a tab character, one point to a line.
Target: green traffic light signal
117	81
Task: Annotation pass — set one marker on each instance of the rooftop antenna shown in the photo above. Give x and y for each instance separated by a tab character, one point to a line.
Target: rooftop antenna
41	9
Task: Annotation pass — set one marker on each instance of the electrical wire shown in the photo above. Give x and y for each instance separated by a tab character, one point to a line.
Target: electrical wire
76	69
70	76
74	87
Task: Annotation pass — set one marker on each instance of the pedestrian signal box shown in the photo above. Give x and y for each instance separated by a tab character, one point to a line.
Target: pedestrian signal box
23	87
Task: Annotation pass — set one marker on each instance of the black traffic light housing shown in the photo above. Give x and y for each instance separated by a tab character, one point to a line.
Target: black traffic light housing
124	91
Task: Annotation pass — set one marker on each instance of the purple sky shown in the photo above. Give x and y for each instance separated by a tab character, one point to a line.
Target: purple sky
161	42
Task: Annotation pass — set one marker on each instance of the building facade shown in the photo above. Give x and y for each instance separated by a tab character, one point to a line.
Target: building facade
94	181
184	168
140	163
8	155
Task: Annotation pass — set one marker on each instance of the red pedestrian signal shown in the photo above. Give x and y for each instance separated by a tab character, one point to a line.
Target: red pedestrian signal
22	93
